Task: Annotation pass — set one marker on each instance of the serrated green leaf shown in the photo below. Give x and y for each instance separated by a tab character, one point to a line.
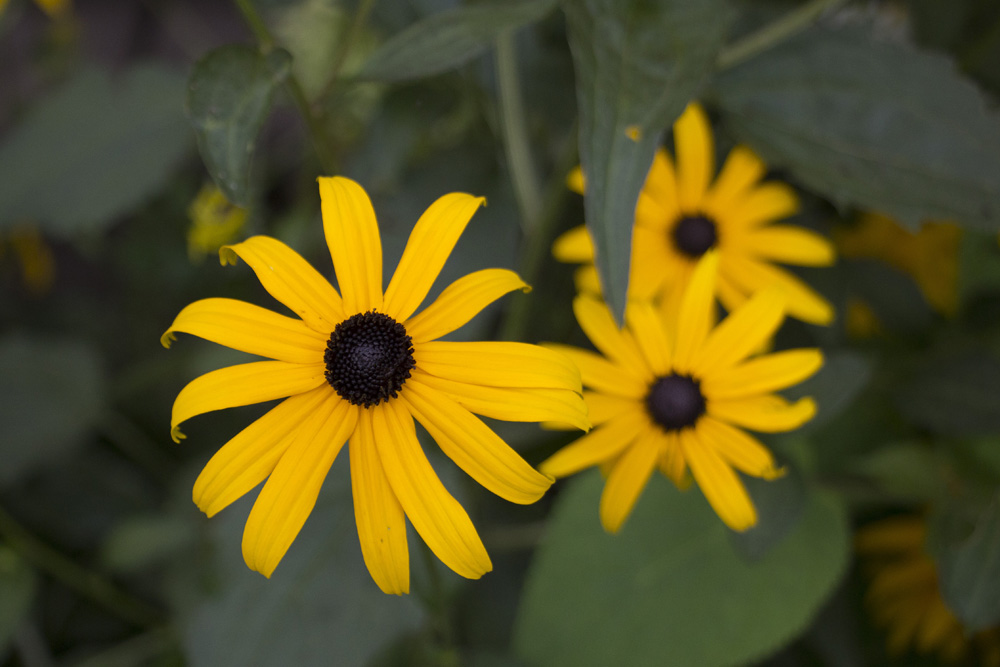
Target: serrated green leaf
957	395
669	588
18	584
93	149
445	40
229	97
968	559
638	63
52	391
871	124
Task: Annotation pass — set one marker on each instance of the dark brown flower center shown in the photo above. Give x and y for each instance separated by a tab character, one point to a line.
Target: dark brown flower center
694	235
675	402
368	358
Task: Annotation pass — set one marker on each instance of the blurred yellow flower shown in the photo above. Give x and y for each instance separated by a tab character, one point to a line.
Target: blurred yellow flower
33	256
930	256
682	213
359	366
54	8
677	393
905	599
214	222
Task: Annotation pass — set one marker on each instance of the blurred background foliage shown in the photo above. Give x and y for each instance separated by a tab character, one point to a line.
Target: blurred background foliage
114	116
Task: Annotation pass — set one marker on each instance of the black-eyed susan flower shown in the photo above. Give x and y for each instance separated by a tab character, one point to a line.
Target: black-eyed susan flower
214	222
929	256
905	599
677	393
359	366
682	214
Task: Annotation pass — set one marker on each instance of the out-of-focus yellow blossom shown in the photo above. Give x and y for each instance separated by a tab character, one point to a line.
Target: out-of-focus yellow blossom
54	8
214	222
905	599
930	256
33	256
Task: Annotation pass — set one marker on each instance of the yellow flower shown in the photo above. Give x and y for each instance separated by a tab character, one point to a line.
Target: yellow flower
677	393
214	222
54	8
905	598
930	256
359	366
681	214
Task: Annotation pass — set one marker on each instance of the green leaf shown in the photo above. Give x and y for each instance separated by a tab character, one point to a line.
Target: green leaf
670	587
143	541
837	384
872	124
638	63
780	504
955	395
320	606
904	471
229	96
445	40
968	558
93	149
19	584
52	391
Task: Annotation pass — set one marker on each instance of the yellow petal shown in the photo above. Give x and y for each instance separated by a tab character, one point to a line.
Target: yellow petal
516	404
249	328
890	536
722	488
378	514
697	313
575	180
672	463
743	332
695	150
764	374
767	414
244	384
352	236
434	513
474	447
574	246
587	281
247	459
647	328
600	374
765	203
461	301
618	345
290	493
661	183
289	279
742	169
430	243
498	364
790	245
738	448
802	301
602	407
650	268
627	480
604	442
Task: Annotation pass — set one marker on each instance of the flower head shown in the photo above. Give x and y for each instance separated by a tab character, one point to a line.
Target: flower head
674	393
905	598
682	214
359	366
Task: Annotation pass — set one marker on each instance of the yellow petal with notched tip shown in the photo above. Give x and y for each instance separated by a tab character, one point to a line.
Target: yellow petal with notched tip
438	518
474	447
244	384
355	246
430	243
289	279
290	493
766	414
461	301
249	328
377	513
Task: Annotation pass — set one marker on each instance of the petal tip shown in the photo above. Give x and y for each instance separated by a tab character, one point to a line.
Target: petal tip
176	435
167	339
227	256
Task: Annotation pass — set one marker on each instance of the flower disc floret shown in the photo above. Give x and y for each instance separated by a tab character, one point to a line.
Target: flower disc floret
694	235
368	358
675	402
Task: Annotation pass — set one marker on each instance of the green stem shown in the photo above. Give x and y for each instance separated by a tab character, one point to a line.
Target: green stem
774	33
515	133
344	48
539	241
86	582
321	142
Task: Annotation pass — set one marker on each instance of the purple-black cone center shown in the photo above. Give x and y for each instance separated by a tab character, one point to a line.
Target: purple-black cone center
368	358
675	402
694	235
